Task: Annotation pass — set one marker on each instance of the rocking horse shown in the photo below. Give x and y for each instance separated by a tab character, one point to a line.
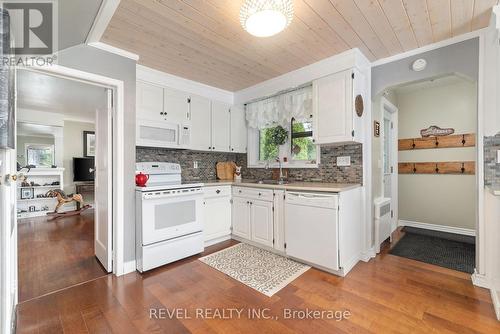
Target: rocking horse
62	199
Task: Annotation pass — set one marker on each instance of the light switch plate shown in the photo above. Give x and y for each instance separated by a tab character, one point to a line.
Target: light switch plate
344	161
195	164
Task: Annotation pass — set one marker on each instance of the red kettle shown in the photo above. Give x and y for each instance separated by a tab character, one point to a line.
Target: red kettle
141	179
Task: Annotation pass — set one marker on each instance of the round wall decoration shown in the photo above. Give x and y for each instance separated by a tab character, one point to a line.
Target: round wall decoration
358	104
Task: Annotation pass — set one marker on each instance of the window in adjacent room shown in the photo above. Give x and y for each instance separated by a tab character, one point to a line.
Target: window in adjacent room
40	155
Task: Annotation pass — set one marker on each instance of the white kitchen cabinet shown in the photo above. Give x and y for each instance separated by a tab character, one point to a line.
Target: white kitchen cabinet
238	130
261	222
217	218
149	101
221	123
200	115
241	217
335	119
176	106
279	220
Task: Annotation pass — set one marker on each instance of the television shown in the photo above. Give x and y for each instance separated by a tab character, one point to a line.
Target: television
83	169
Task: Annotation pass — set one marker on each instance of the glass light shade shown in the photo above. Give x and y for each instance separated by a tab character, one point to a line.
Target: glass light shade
264	18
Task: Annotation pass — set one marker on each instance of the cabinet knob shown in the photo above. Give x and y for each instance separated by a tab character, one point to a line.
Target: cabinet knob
232	149
217	191
260	194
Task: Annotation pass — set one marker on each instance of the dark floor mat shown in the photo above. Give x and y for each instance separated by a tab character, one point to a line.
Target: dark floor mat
443	235
434	250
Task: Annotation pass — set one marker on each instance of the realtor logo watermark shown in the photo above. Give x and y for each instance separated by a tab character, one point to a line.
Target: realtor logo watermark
33	32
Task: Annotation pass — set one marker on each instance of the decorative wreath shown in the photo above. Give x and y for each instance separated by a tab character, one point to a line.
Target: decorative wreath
279	135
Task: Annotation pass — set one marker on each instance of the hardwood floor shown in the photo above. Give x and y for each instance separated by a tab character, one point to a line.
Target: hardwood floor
389	294
56	254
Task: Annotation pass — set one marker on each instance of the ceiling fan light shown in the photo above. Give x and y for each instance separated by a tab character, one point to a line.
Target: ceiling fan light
264	18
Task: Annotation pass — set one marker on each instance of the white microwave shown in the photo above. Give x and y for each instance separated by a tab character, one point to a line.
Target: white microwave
162	134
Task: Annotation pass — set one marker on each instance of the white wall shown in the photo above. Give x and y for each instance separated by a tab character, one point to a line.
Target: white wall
448	200
73	147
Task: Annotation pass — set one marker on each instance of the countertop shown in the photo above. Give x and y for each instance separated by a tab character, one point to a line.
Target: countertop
304	186
495	190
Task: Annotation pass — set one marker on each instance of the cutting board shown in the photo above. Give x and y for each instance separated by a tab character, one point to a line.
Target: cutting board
225	170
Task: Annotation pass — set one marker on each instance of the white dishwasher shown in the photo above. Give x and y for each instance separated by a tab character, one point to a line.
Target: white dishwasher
311	228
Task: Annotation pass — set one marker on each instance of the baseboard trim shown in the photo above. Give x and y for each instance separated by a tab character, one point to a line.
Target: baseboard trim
368	254
441	228
129	267
495	298
480	280
217	240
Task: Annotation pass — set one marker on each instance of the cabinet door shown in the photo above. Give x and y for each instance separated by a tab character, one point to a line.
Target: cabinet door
200	123
217	217
238	130
220	126
149	101
332	108
241	217
261	222
176	106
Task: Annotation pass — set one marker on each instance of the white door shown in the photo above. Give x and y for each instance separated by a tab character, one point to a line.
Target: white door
103	217
332	109
241	217
149	101
238	130
220	126
390	158
8	241
176	106
200	124
217	217
261	222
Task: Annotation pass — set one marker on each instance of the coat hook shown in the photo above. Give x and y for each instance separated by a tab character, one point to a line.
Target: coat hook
437	169
414	168
413	145
463	140
463	168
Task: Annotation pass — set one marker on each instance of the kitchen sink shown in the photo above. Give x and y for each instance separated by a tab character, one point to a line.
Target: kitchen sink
272	182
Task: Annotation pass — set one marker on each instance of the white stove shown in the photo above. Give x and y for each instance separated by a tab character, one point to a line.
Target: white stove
162	176
169	216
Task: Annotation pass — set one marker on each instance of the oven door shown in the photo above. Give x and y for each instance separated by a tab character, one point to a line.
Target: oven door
157	134
170	214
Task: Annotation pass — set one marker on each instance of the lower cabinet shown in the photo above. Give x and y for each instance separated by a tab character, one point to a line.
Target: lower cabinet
261	222
241	217
217	216
253	220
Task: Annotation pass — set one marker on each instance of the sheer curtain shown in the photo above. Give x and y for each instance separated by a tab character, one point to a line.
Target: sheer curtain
279	110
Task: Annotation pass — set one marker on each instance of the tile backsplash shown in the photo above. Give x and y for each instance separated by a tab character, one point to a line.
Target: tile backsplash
491	167
328	170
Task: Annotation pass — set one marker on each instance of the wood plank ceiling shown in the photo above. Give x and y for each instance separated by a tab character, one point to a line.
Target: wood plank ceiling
202	40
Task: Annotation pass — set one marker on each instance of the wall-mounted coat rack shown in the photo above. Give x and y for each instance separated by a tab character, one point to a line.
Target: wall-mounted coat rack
452	167
464	140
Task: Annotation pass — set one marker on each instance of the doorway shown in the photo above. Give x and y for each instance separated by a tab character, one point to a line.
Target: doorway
435	190
64	152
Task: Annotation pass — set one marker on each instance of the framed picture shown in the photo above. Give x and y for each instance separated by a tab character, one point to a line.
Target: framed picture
88	143
376	129
27	193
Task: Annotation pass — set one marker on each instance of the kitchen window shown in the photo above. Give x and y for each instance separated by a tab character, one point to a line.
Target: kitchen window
302	147
291	111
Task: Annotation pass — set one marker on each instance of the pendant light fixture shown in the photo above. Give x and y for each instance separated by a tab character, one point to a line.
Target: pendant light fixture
264	18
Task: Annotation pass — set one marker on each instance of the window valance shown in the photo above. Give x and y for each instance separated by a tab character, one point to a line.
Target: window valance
280	109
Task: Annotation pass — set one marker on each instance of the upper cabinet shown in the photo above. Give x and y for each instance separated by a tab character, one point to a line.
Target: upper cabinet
238	130
336	100
176	106
149	101
201	120
221	123
194	122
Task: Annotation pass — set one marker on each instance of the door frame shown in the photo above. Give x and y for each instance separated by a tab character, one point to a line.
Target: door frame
387	106
117	170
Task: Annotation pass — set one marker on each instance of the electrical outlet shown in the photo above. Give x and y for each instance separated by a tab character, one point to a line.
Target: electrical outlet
195	164
344	161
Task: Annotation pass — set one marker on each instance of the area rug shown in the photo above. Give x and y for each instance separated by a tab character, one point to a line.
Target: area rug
259	269
437	249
